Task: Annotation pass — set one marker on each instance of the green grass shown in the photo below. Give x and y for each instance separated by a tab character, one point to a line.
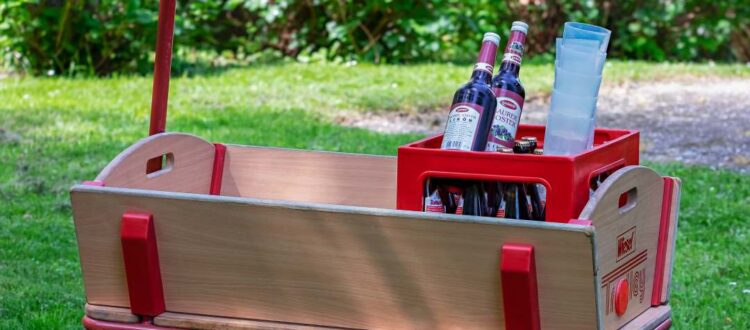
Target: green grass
55	132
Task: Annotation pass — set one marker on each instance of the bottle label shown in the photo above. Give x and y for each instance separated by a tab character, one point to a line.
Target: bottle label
505	123
501	209
484	67
462	126
459	204
433	203
512	58
514	48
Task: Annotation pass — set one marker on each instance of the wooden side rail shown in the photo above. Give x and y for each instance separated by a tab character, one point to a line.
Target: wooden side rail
626	212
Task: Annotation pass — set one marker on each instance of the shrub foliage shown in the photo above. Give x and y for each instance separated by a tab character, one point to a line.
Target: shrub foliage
107	36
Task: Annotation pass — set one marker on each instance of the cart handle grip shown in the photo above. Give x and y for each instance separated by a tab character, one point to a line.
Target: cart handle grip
162	66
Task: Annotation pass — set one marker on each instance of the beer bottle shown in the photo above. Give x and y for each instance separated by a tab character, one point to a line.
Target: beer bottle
454	201
502	189
522	147
432	200
509	91
532	142
474	200
511	200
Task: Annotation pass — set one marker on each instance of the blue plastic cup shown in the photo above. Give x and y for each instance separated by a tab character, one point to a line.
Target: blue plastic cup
579	106
585	44
579	59
575	83
576	30
566	134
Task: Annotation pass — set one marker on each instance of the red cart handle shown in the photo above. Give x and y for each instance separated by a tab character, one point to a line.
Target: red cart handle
162	66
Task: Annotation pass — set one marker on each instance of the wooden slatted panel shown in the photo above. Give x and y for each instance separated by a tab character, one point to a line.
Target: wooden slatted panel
310	176
332	266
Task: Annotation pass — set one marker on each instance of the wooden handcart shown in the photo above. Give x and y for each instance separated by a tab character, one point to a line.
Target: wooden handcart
177	232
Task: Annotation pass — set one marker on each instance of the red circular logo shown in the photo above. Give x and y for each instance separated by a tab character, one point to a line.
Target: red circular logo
509	104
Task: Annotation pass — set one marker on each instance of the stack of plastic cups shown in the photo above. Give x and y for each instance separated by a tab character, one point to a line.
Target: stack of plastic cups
581	53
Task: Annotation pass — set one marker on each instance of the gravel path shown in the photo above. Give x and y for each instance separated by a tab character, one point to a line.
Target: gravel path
701	121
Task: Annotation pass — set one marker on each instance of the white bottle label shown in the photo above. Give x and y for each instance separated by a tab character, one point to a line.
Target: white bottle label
461	128
505	123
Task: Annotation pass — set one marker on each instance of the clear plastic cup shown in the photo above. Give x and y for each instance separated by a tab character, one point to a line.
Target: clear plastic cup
575	83
579	59
566	134
579	106
586	44
576	30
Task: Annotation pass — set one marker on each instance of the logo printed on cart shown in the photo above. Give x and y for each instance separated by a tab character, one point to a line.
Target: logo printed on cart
625	244
634	270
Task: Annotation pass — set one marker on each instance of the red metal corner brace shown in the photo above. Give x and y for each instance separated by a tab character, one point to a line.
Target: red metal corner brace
142	264
520	296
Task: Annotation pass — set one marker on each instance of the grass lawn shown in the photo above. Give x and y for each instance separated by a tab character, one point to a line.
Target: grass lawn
55	132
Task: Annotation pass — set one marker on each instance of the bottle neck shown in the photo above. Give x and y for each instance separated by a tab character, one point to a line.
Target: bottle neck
485	62
513	53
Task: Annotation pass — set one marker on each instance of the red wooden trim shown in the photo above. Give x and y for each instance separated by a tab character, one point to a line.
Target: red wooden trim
95	183
519	285
141	258
661	248
218	169
94	324
162	66
664	325
580	222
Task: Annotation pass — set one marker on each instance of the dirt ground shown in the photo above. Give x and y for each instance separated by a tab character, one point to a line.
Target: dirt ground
702	121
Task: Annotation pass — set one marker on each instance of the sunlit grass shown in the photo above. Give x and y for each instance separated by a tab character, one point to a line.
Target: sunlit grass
55	132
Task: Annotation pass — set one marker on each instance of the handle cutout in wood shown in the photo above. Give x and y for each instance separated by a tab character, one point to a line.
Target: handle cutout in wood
166	161
627	200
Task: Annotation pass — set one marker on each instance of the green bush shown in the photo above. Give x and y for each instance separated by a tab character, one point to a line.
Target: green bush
106	36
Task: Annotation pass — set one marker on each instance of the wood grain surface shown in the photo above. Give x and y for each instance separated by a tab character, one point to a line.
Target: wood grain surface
332	266
650	319
626	238
190	172
310	176
109	313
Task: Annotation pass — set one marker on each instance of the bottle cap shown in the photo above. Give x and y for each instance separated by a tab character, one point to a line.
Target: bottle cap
520	26
523	143
539	151
529	138
492	37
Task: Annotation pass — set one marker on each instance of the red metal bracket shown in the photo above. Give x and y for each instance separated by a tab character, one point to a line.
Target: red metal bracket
664	239
141	258
520	296
218	169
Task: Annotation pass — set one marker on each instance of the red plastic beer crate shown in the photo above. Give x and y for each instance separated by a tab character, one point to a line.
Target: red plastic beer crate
567	178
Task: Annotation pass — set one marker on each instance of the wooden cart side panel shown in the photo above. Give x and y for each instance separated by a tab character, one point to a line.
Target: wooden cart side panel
310	176
190	171
626	239
321	265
